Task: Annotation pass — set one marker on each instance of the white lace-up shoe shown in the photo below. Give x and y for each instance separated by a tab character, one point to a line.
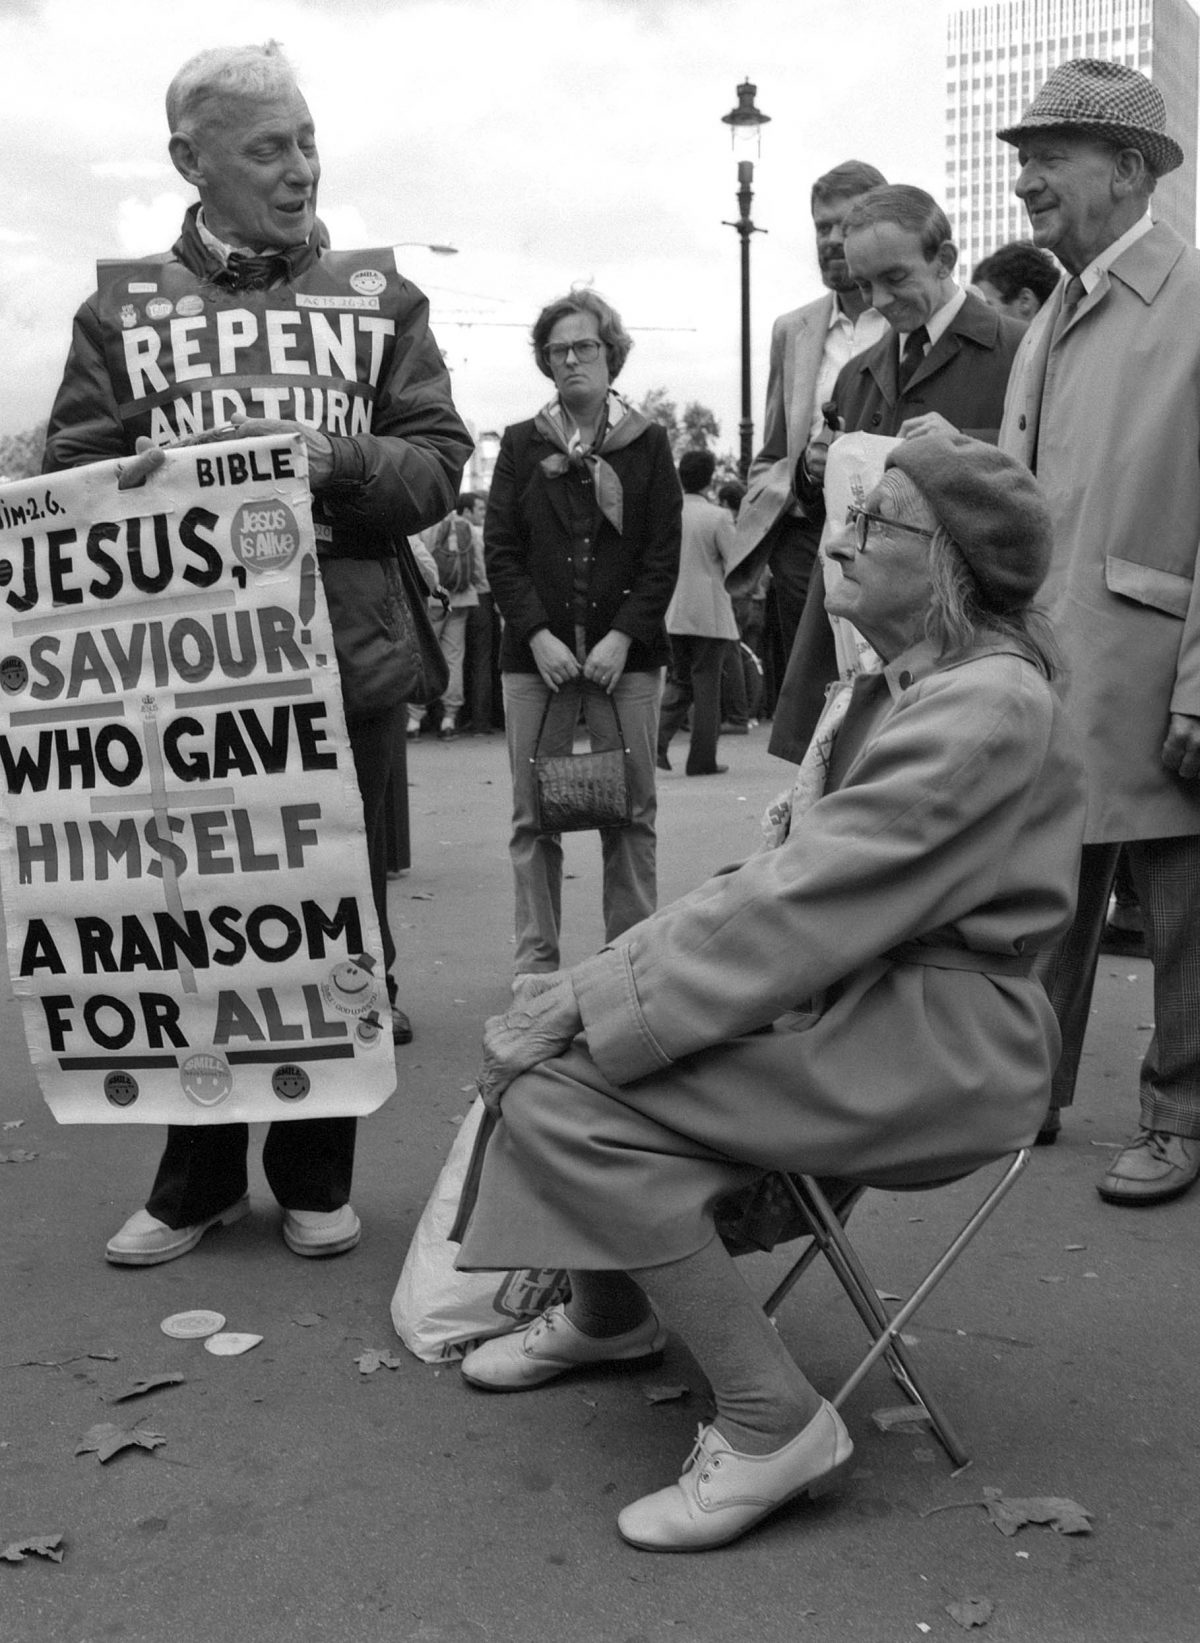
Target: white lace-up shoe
321	1232
144	1240
722	1493
552	1345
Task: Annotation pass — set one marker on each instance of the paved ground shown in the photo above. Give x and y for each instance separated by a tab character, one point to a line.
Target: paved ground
296	1498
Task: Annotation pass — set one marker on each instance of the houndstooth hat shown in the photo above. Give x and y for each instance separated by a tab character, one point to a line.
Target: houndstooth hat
1107	100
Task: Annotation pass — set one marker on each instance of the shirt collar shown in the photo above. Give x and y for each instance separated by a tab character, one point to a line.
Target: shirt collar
1100	265
218	247
937	324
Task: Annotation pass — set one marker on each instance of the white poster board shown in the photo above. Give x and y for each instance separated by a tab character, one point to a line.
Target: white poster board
191	931
853	468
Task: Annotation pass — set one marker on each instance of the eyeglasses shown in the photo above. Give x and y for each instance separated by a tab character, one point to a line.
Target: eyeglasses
585	351
861	520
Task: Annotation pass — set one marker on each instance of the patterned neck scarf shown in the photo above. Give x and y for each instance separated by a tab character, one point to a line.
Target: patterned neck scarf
243	269
620	425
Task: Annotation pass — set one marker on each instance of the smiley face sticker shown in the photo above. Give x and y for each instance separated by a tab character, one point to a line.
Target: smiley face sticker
352	988
14	675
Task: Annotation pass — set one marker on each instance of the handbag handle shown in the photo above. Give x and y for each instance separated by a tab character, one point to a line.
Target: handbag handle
584	684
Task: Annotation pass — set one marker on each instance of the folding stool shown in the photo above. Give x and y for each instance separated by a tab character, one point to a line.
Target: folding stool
825	1225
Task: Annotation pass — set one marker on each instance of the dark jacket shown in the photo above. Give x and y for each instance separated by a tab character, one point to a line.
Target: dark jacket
387	483
963	376
527	544
399	477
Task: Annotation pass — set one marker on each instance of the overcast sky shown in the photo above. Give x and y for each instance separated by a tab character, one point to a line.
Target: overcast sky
551	141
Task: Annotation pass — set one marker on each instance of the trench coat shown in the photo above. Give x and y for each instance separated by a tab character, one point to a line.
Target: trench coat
1108	415
887	944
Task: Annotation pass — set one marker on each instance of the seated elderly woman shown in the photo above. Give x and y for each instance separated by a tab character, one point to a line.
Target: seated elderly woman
886	945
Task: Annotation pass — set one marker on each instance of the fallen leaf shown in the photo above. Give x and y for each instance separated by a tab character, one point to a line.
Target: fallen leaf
106	1440
1064	1516
307	1320
1074	1246
421	895
12	1123
664	1392
50	1546
58	1363
971	1611
17	1155
886	1295
373	1359
148	1383
1049	1278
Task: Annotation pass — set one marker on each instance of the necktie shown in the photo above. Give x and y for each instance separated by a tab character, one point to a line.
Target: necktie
1072	297
914	353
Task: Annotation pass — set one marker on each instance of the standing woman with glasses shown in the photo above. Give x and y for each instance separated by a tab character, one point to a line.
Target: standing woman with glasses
582	546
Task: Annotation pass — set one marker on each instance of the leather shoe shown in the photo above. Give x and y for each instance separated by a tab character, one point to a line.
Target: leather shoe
728	729
1154	1167
1114	938
661	762
716	770
551	1346
402	1032
318	1232
144	1240
723	1493
1051	1128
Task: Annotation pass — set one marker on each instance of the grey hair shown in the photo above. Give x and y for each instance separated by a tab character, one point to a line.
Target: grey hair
224	71
959	616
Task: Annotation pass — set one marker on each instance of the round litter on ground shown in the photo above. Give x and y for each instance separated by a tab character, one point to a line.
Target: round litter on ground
229	1345
191	1326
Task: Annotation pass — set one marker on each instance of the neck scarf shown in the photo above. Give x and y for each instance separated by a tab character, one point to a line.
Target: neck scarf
619	426
243	269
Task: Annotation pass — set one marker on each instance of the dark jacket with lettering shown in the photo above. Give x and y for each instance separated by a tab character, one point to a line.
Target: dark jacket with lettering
342	341
631	576
172	346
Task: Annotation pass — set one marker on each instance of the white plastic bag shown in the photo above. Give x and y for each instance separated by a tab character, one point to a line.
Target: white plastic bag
440	1313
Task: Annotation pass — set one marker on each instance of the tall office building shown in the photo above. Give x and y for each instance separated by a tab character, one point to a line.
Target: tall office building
997	56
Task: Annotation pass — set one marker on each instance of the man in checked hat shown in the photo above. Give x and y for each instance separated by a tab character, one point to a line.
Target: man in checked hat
1104	405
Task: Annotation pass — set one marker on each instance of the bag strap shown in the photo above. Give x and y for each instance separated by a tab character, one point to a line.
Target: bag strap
584	684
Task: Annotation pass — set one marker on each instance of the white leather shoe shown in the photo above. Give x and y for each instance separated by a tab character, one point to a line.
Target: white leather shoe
144	1240
552	1345
316	1232
722	1493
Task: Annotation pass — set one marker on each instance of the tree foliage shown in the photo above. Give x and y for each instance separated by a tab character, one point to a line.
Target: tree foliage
695	428
21	454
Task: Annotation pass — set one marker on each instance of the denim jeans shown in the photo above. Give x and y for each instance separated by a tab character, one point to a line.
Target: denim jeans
628	853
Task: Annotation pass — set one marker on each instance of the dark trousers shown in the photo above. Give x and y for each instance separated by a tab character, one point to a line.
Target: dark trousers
308	1162
792	559
395	815
695	682
478	672
1166	875
741	684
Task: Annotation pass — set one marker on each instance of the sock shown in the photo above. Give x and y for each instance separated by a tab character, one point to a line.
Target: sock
762	1399
606	1303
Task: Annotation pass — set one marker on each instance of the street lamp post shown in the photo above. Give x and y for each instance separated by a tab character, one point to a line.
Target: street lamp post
745	123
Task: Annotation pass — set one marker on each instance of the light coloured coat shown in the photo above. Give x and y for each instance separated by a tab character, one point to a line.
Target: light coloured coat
955	827
700	605
797	347
1108	414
